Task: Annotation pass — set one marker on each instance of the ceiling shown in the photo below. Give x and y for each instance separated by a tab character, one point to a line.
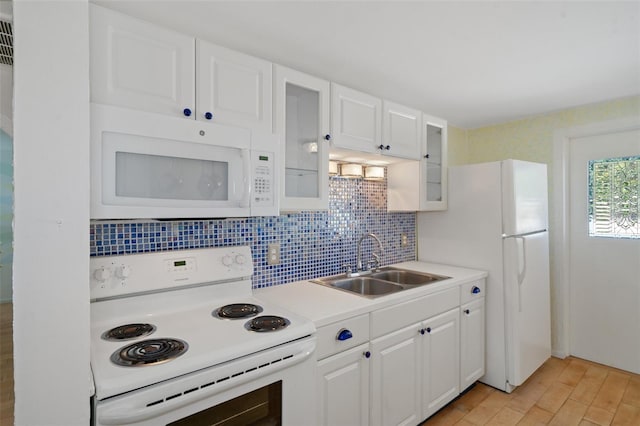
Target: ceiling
473	63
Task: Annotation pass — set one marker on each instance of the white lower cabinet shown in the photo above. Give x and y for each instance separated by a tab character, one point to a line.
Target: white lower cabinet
415	371
441	358
396	367
342	372
400	364
472	338
343	388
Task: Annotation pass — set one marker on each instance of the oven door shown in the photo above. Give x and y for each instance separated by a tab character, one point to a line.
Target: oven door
146	166
275	386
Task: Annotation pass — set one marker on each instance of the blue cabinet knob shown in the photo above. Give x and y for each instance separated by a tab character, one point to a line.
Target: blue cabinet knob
422	331
475	290
381	147
187	112
388	147
327	137
208	115
428	329
367	354
344	334
466	311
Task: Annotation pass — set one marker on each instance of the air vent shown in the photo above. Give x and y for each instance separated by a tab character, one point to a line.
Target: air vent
6	43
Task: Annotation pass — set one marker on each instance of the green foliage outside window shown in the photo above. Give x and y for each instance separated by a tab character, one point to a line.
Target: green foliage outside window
614	197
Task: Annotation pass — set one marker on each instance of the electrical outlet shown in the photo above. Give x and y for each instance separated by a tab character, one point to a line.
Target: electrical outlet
404	241
273	254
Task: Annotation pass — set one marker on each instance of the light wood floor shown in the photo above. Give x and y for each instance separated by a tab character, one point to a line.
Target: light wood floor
6	364
562	392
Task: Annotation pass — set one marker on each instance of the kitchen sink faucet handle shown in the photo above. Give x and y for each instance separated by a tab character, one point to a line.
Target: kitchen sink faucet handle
376	261
347	269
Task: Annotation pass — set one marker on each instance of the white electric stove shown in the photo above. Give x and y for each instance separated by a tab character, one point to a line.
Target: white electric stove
175	335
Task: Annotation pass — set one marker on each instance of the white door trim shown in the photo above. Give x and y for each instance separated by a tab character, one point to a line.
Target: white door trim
560	247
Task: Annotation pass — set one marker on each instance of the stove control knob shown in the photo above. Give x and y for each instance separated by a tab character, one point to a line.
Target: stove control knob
241	259
102	274
227	260
123	271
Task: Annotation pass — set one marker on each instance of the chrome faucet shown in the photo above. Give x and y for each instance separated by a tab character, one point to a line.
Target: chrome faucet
375	256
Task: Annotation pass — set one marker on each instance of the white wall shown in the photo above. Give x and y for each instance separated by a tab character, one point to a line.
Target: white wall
51	257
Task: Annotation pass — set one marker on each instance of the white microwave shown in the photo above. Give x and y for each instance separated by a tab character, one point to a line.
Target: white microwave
147	166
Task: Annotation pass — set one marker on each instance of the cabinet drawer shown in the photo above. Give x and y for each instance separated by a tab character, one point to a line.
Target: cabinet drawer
389	319
329	343
467	291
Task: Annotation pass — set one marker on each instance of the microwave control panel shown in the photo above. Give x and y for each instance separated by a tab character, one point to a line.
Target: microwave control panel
264	188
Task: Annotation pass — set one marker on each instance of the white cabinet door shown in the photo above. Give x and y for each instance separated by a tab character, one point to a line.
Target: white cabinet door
401	130
471	343
440	353
343	388
429	191
433	167
302	122
233	88
396	373
356	120
139	65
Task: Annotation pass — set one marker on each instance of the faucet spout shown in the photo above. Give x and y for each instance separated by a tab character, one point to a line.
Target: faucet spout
359	253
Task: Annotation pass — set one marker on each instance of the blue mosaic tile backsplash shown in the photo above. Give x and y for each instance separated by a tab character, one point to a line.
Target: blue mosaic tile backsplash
312	243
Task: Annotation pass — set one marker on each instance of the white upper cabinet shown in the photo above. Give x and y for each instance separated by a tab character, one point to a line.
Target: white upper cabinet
433	166
421	185
401	130
356	120
139	65
233	88
365	124
302	123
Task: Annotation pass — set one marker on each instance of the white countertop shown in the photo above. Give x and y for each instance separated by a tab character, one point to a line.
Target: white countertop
324	305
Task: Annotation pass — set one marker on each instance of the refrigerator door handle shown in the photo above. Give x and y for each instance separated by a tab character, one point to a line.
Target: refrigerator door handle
522	268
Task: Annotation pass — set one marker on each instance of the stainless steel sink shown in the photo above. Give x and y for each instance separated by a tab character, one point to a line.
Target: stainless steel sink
366	286
409	278
374	284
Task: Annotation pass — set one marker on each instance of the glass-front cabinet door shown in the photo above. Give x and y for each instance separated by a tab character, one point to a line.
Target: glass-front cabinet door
433	166
302	123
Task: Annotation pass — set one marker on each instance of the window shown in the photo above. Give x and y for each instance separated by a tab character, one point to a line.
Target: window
614	190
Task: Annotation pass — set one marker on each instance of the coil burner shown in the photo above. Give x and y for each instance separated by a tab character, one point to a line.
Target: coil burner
267	323
128	332
237	310
149	352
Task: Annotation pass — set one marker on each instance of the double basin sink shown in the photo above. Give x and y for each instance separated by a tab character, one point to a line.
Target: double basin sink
378	283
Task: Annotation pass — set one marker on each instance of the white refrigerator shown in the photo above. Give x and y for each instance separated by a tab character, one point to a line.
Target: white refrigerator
497	221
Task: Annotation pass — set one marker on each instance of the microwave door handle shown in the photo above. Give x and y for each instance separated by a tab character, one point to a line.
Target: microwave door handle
246	175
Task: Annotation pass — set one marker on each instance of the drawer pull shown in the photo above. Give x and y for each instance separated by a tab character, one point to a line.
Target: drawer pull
344	334
475	290
367	354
